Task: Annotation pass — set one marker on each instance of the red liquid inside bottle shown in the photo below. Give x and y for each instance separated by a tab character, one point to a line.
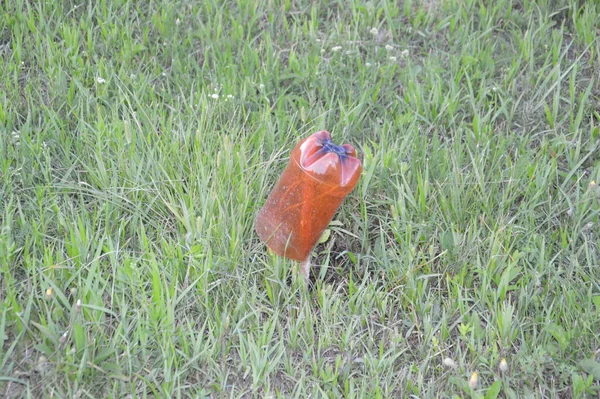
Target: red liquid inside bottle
312	187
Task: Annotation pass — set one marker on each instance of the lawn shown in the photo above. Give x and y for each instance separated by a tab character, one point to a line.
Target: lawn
139	139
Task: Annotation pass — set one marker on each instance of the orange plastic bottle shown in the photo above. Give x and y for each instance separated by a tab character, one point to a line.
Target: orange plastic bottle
312	187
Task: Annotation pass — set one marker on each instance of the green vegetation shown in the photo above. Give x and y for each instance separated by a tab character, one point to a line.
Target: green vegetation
139	139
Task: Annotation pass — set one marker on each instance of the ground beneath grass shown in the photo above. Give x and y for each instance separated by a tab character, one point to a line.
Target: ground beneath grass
138	140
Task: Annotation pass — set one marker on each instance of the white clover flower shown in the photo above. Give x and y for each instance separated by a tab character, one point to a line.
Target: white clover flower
215	96
389	47
393	59
336	49
449	362
368	65
100	80
16	135
404	53
261	86
374	31
322	51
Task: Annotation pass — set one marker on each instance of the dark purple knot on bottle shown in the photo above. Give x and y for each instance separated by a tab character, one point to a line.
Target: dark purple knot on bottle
330	146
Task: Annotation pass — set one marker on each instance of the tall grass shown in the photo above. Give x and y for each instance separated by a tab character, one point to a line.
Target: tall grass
139	139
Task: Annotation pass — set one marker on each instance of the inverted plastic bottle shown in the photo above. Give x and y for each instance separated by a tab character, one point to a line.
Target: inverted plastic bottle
318	177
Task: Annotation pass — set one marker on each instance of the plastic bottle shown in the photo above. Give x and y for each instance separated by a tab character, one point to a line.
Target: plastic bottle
318	177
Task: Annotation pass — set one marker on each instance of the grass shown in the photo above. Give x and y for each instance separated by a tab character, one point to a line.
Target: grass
139	139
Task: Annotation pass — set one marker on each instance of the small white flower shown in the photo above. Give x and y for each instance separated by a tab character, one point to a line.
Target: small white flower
261	86
503	365
374	31
322	51
177	21
404	53
215	96
230	97
100	80
63	338
449	362
16	136
389	47
336	49
132	76
473	380
164	74
368	65
393	59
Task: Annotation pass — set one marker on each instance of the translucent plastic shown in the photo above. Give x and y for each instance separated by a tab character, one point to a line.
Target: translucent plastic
312	187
